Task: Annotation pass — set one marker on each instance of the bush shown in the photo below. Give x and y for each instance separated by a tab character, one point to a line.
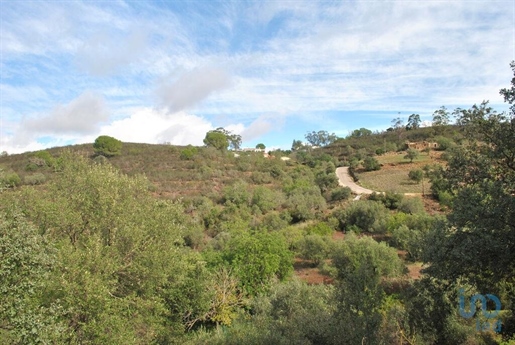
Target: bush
390	199
261	177
107	146
188	153
35	179
320	229
314	248
10	179
370	164
366	215
444	143
46	157
412	205
341	193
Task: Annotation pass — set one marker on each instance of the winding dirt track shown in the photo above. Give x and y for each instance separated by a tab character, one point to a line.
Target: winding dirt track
344	179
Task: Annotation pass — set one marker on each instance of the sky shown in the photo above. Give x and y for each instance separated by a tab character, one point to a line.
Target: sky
271	71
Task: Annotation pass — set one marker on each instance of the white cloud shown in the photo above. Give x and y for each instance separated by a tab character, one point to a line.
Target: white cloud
82	115
256	129
192	87
104	52
148	125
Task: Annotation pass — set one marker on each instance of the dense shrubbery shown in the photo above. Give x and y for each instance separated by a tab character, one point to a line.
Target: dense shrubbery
364	215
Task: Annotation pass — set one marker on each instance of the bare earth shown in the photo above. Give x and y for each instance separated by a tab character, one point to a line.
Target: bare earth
344	179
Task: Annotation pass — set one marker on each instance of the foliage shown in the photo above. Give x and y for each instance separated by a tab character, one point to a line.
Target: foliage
107	146
413	122
314	248
297	145
360	264
411	205
26	260
188	153
34	179
371	164
216	139
411	154
389	199
9	179
341	193
362	132
257	258
416	175
365	215
121	260
320	138
441	117
319	228
260	146
444	143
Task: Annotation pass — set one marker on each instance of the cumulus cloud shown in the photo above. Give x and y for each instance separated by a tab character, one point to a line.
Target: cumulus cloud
148	125
192	87
83	115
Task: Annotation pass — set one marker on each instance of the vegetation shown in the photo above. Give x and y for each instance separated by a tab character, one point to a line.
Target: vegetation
192	245
104	145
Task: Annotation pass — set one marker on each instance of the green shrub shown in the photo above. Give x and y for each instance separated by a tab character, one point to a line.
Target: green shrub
370	216
341	193
188	153
10	179
444	143
35	179
412	205
320	229
390	199
259	177
46	157
370	164
100	159
237	193
107	146
314	248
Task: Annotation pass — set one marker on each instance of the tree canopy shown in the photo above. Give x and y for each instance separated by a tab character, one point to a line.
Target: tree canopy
107	146
222	139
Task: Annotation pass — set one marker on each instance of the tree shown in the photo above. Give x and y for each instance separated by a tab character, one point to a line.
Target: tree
320	138
362	132
411	154
261	146
441	117
122	263
413	122
416	175
398	126
476	243
257	258
107	146
221	139
360	264
296	145
217	140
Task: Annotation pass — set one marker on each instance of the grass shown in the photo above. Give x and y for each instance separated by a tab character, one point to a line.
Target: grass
393	175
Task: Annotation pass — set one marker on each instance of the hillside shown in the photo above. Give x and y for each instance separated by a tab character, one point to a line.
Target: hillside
172	244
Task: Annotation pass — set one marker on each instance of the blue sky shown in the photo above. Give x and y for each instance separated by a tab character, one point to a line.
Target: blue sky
169	71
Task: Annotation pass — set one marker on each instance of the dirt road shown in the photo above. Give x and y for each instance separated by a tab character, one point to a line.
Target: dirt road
344	179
